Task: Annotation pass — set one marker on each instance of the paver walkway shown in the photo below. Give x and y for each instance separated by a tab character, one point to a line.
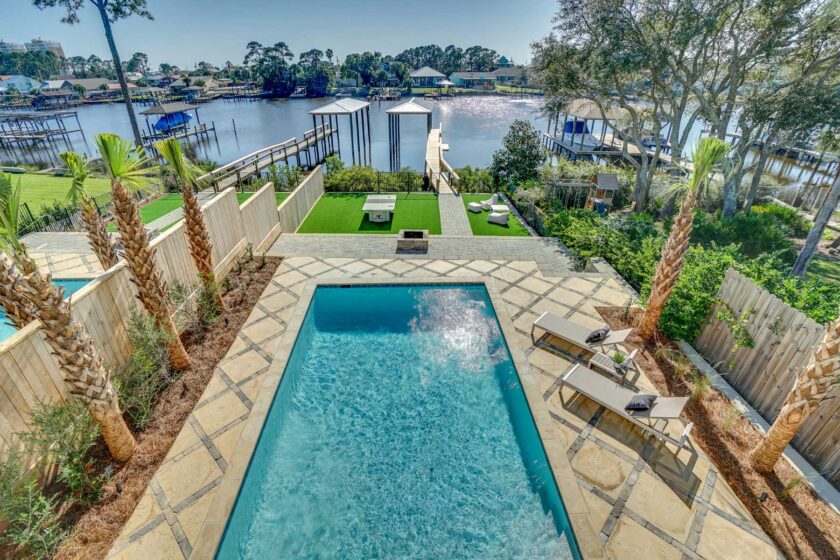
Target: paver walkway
64	255
643	499
453	215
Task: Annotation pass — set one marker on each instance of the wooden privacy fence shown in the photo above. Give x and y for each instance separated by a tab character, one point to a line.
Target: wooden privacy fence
296	207
28	372
764	374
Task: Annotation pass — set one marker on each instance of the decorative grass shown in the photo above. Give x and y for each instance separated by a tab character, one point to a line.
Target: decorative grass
480	225
42	190
342	213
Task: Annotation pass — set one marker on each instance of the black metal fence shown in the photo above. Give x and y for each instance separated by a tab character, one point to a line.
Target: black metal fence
376	182
66	218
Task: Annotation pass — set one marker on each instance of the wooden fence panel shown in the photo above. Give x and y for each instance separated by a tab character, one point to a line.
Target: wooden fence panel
783	339
260	218
296	207
224	224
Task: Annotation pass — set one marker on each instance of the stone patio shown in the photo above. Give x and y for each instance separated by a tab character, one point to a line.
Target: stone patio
644	499
64	255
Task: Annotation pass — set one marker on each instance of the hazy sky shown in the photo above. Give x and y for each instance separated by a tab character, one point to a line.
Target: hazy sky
187	31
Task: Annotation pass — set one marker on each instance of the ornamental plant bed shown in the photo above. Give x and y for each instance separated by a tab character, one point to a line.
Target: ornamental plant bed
94	531
801	524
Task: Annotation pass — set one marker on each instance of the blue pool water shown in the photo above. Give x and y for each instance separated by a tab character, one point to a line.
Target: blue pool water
399	430
70	286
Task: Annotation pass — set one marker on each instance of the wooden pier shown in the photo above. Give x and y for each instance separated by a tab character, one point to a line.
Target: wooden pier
315	146
20	129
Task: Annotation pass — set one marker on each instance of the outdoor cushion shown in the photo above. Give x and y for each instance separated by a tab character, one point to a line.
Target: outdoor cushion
474	207
497	218
640	402
598	335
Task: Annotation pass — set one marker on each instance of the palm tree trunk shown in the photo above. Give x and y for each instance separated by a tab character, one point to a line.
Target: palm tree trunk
34	295
115	56
201	248
98	236
144	272
829	205
809	390
668	269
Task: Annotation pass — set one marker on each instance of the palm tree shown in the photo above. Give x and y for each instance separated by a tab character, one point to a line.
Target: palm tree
26	295
707	154
126	166
809	390
201	249
98	235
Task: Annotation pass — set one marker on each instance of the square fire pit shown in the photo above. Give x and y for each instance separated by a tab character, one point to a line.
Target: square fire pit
413	240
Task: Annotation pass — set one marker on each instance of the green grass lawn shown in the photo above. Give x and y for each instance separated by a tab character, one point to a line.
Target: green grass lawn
824	268
156	208
480	226
342	213
38	191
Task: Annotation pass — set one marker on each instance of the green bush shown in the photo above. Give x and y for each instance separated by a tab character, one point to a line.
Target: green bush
475	180
195	307
695	292
754	233
796	223
147	371
32	530
368	179
66	432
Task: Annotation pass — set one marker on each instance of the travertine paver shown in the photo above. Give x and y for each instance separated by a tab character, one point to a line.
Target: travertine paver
645	499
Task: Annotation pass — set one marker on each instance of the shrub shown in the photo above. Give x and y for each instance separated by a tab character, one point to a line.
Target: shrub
367	179
475	180
754	233
332	164
695	292
66	432
796	223
284	178
195	307
147	371
32	528
521	155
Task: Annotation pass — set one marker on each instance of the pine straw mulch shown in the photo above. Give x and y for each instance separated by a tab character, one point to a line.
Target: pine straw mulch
95	530
801	524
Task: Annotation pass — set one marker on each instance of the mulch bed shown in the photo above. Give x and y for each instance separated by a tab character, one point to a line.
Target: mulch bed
95	530
801	524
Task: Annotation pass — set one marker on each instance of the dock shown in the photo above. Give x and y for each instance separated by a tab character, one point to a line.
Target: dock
315	146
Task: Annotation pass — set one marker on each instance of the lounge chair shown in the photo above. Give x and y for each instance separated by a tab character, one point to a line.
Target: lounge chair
498	218
474	207
615	397
574	333
486	204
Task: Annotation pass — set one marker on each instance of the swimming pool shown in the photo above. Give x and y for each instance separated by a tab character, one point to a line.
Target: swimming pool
70	286
399	430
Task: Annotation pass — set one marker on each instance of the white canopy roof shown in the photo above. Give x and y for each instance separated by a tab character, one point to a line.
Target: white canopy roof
410	107
588	109
345	106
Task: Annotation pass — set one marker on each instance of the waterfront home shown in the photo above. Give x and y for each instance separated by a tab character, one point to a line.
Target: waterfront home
480	80
90	84
52	86
426	77
206	82
510	75
55	100
19	82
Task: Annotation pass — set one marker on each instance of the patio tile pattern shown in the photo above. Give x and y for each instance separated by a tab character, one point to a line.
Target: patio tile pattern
644	498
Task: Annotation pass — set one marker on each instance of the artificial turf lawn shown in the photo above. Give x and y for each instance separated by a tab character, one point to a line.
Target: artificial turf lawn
342	213
38	190
480	225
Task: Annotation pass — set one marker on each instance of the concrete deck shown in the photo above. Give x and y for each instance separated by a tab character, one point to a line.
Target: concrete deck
641	498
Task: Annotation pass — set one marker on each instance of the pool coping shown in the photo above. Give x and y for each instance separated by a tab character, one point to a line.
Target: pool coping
215	522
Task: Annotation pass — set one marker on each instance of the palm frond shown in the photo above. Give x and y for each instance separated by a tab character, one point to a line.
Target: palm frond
186	171
707	154
77	165
124	162
5	187
10	219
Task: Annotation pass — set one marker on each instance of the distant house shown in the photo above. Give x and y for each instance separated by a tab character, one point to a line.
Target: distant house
504	62
90	84
481	80
53	86
426	77
23	84
512	75
55	100
206	82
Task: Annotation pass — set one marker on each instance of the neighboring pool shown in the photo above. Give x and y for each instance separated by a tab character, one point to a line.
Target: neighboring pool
71	286
399	430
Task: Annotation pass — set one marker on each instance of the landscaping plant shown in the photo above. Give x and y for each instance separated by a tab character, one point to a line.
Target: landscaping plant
98	236
707	154
201	249
126	167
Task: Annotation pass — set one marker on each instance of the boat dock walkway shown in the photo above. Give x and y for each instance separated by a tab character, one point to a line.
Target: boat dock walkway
315	146
453	215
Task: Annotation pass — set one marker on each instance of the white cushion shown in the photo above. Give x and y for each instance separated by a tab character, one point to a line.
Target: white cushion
497	218
474	207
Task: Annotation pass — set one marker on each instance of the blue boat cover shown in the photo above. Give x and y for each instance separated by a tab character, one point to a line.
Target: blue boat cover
173	120
578	127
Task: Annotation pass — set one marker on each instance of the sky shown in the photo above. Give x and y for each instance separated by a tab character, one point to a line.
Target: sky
185	32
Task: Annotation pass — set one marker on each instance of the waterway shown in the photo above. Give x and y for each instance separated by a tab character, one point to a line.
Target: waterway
472	126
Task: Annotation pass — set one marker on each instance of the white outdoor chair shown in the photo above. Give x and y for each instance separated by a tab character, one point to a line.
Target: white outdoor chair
474	207
486	204
497	218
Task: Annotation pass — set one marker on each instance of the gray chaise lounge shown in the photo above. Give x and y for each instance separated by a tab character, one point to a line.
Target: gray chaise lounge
574	333
615	397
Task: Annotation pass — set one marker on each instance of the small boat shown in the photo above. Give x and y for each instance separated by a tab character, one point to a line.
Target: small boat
343	94
299	93
15	170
